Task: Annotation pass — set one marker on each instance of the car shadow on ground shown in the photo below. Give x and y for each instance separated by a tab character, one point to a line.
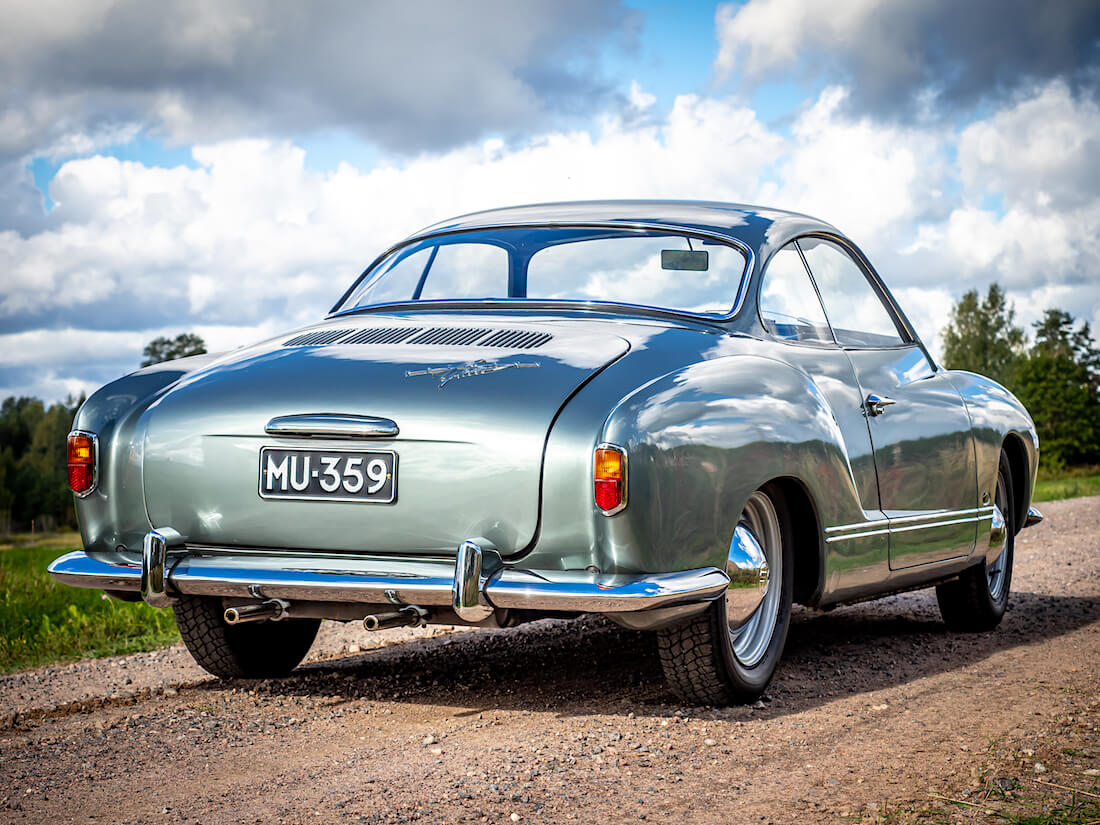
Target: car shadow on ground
590	666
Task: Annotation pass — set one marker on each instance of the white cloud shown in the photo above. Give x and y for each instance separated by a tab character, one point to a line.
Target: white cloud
639	98
914	58
252	242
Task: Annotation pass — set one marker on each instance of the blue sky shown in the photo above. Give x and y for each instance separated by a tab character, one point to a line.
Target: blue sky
229	169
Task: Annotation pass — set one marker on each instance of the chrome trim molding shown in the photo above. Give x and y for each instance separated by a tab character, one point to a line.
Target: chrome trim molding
1033	517
747	568
466	598
327	425
607	445
468	370
154	566
905	524
95	461
432	583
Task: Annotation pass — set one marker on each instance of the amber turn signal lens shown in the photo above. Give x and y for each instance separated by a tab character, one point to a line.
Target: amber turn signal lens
609	478
81	463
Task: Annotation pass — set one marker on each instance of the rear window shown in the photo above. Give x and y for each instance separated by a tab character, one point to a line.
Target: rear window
668	270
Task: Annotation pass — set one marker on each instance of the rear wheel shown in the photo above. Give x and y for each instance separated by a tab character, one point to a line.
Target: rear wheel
977	600
245	651
712	660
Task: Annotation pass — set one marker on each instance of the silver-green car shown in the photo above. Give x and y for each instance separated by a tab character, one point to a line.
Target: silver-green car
684	416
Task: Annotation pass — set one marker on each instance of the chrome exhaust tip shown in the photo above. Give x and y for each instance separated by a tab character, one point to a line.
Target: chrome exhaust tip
409	616
272	609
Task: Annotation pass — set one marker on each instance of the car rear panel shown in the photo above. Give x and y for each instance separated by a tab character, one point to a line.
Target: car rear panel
468	455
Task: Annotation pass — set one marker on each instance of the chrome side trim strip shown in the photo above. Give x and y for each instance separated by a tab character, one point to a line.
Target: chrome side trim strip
908	528
938	515
862	535
427	583
328	425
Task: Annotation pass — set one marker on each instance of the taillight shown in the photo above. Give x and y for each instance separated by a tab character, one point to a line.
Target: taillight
82	447
609	478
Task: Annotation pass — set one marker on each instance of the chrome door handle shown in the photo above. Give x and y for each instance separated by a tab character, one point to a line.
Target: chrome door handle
877	404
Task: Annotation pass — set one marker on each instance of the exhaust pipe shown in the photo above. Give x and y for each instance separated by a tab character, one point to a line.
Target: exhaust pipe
273	609
409	616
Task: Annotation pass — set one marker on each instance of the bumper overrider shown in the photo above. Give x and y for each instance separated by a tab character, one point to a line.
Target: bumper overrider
473	585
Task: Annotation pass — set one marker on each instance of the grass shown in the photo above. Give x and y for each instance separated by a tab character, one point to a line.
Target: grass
1072	482
42	621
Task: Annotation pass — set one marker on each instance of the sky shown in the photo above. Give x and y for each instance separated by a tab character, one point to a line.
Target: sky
228	167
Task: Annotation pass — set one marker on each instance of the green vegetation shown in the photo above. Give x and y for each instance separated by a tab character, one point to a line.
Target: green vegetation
1057	378
169	349
34	486
42	621
1072	483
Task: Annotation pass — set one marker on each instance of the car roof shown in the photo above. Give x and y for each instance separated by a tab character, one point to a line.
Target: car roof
757	226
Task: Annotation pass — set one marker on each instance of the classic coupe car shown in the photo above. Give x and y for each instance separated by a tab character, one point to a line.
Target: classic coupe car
684	416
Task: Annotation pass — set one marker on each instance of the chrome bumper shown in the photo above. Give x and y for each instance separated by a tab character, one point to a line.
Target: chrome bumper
169	569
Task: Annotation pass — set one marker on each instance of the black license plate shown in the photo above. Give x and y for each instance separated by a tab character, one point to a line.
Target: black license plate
328	475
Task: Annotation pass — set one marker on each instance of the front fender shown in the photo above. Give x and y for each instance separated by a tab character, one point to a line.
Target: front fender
700	440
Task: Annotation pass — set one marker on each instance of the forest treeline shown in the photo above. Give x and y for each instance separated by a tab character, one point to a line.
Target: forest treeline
34	484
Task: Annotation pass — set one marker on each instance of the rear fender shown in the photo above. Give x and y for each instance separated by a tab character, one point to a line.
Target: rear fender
700	440
114	516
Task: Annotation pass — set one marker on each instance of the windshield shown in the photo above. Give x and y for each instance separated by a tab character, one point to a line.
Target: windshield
656	268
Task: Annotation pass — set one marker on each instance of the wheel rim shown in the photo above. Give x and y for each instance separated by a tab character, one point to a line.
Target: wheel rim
996	571
752	638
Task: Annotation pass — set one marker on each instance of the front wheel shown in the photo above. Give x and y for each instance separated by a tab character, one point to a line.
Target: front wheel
722	656
245	651
977	600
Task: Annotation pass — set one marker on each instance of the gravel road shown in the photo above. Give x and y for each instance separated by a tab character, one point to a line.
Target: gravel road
878	713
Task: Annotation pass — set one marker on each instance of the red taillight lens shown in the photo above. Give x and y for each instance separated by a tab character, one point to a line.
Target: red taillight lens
81	463
609	479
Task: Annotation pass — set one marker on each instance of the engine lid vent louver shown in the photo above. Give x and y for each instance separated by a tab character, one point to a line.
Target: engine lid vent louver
434	336
317	339
382	335
516	339
445	337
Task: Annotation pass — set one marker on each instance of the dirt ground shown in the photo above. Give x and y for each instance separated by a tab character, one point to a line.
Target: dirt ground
878	714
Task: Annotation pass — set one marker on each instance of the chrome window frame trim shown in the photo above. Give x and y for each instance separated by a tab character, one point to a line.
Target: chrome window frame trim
95	461
526	303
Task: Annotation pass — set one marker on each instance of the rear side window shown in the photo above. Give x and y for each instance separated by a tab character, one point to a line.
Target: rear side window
467	270
855	309
789	306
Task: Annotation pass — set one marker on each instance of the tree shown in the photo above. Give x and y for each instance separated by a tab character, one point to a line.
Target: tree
169	349
980	335
1059	383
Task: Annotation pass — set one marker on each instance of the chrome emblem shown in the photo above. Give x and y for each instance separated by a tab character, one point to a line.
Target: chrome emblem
479	367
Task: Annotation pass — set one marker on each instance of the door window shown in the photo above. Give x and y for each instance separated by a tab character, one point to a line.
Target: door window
856	312
789	306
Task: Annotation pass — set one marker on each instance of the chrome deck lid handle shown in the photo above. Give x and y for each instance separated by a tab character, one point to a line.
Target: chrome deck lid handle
332	425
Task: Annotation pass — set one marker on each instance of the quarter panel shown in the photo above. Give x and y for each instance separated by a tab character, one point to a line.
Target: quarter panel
114	516
701	439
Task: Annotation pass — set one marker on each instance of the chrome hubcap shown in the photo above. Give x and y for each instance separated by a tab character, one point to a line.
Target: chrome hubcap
996	564
752	636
